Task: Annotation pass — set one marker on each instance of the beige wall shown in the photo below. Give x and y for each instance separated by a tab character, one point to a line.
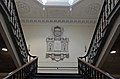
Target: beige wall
79	35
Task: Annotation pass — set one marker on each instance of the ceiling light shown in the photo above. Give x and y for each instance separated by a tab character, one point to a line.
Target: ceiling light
112	52
4	49
70	9
43	8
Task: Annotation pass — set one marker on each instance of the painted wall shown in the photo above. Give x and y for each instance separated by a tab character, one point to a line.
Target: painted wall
79	35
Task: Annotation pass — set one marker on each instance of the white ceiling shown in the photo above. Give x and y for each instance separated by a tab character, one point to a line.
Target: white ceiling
84	9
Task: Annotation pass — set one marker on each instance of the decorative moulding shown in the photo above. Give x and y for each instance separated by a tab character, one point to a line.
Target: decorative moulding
57	45
93	9
57	57
23	7
36	20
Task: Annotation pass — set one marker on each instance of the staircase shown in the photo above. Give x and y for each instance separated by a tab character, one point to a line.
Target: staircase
57	76
28	70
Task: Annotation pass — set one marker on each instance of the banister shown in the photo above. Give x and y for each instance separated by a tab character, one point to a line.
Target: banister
92	72
102	30
21	73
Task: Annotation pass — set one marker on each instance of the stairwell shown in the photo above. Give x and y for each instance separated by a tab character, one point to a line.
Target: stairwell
29	70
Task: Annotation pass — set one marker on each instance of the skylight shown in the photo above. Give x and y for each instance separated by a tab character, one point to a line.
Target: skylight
58	2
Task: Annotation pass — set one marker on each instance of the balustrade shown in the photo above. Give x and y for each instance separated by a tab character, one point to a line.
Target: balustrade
89	71
101	31
15	29
24	72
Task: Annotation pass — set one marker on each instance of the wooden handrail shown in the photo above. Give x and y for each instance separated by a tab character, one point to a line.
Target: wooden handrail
82	64
32	63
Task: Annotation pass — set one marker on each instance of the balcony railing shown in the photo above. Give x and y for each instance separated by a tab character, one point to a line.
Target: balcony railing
109	11
9	10
89	71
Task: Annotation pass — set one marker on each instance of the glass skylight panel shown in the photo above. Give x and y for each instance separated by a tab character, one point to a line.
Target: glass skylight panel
44	2
58	2
71	2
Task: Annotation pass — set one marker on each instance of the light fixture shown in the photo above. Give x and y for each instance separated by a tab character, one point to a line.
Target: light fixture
70	8
112	52
43	8
4	49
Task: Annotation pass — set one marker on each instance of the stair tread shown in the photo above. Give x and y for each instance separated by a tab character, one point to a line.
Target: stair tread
57	76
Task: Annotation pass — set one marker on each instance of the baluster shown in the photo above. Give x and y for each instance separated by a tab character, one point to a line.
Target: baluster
102	24
100	33
110	5
6	2
14	76
90	72
97	36
22	74
89	58
116	1
106	13
11	8
85	58
107	7
105	18
113	3
102	19
11	12
97	75
101	76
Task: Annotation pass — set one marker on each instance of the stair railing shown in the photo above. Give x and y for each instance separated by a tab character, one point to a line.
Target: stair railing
24	72
89	71
9	10
102	30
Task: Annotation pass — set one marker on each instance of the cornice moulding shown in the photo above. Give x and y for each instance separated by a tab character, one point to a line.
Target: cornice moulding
36	20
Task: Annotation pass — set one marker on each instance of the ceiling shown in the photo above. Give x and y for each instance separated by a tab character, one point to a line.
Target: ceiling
84	9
